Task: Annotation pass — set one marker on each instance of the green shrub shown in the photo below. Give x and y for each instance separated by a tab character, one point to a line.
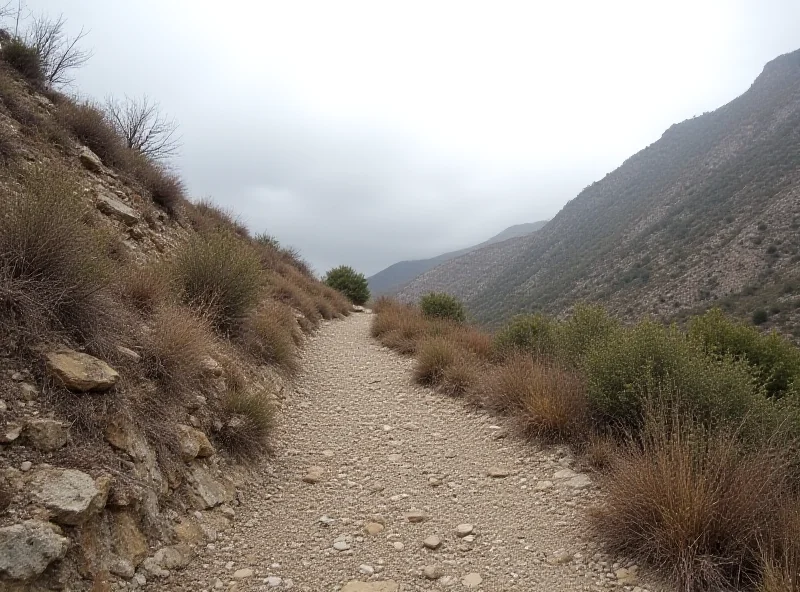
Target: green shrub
653	361
760	316
24	59
219	275
532	333
349	282
439	305
576	336
775	360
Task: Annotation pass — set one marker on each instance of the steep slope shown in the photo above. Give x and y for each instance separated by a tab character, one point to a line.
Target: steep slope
395	276
706	215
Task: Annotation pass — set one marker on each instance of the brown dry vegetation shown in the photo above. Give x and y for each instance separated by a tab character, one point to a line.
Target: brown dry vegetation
694	433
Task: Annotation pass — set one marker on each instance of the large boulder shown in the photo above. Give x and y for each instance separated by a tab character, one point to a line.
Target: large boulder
80	372
46	435
114	208
27	549
70	496
194	443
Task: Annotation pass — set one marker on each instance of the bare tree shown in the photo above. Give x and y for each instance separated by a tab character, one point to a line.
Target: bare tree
140	122
58	52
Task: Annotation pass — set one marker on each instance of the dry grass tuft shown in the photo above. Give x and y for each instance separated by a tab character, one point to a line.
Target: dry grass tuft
89	125
293	295
174	348
249	416
165	187
600	450
270	335
780	571
461	375
434	356
145	287
548	401
695	505
204	216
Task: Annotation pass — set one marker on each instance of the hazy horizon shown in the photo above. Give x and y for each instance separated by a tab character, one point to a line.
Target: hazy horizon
367	134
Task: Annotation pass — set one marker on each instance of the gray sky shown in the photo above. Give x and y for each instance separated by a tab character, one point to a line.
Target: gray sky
369	132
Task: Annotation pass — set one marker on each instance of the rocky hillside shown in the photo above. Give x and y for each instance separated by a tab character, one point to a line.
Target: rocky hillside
145	342
394	277
707	215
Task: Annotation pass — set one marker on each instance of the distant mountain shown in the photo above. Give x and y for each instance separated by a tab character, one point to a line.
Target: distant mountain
707	215
395	276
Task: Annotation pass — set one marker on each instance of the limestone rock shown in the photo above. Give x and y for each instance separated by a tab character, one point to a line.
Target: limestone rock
193	443
432	542
416	516
114	208
10	432
463	530
27	549
579	481
70	496
385	586
208	492
81	372
127	539
314	474
46	434
90	160
374	528
498	472
210	366
243	574
432	572
173	557
472	580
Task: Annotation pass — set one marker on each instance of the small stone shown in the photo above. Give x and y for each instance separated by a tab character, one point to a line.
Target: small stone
472	580
28	392
10	432
25	466
564	474
81	372
398	546
432	572
90	160
432	542
327	453
559	558
114	208
341	546
626	577
243	574
498	473
326	521
447	581
17	377
383	586
543	485
27	549
579	481
394	457
46	435
373	528
463	530
218	584
314	474
274	581
416	516
367	570
129	353
434	482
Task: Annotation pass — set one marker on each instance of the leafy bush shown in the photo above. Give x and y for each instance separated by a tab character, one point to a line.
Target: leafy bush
219	275
53	269
248	420
760	316
693	504
529	333
775	360
578	334
24	59
349	282
442	306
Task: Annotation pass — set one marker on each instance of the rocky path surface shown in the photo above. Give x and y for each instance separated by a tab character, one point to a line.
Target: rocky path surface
379	485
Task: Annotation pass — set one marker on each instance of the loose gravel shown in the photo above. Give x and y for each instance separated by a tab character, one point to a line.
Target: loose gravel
379	481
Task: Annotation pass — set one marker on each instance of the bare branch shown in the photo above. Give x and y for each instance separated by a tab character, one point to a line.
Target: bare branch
59	53
144	128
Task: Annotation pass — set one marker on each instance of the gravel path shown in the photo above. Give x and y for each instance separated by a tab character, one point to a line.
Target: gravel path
362	453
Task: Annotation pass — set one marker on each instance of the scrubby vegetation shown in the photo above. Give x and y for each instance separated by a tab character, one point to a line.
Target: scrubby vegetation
349	282
442	306
695	431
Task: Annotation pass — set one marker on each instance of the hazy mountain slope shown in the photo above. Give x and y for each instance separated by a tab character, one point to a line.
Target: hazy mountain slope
707	214
394	276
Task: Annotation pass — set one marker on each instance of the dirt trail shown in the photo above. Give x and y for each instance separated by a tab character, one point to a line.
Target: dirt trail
388	448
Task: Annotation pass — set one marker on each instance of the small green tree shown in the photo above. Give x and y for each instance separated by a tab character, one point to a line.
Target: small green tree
349	282
442	306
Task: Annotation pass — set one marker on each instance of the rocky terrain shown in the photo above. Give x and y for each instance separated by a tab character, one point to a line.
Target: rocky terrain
706	216
394	277
380	485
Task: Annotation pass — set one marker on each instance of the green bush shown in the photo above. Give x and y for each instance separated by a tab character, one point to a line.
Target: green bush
349	282
220	275
24	59
760	316
650	361
576	336
442	306
533	333
775	360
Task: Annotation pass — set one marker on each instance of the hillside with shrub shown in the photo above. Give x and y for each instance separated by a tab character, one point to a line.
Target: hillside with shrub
706	216
694	432
145	344
394	277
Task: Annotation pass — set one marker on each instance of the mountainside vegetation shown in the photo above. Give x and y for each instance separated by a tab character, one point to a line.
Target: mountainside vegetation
395	276
706	216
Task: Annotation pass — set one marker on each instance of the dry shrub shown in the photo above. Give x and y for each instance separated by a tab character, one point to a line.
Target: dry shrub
219	274
291	294
475	341
336	299
434	356
324	307
600	450
461	375
53	270
145	287
693	504
382	304
24	59
270	335
248	418
174	348
780	570
548	401
278	258
91	127
204	215
165	187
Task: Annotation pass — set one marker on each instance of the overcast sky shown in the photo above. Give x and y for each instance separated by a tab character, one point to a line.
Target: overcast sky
370	132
